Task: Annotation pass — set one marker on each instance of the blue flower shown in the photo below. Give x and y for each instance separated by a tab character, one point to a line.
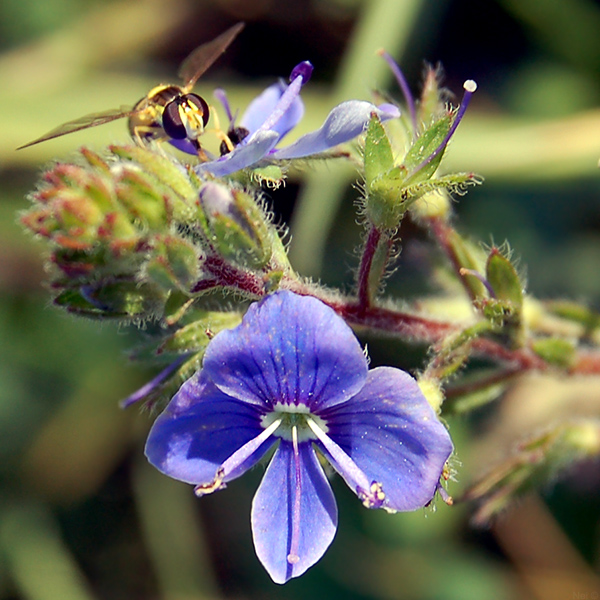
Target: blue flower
276	111
293	376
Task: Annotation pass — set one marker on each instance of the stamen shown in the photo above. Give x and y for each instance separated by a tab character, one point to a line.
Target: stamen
469	86
234	465
370	492
408	97
374	498
472	273
444	495
293	556
303	69
208	488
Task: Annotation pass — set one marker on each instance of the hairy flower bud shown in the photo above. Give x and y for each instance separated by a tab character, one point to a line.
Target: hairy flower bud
236	227
116	226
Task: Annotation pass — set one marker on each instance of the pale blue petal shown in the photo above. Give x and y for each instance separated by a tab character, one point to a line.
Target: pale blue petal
393	435
291	349
200	428
263	105
255	147
346	121
274	514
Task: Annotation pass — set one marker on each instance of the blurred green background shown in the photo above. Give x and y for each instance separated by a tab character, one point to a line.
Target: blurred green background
81	514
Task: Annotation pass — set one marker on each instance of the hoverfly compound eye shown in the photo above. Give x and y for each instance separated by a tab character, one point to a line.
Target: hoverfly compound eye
171	121
199	104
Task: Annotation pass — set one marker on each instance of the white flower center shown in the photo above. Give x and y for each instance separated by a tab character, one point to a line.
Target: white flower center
293	416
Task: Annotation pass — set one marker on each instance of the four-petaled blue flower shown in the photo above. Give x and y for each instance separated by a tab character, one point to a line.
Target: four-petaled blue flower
277	110
293	372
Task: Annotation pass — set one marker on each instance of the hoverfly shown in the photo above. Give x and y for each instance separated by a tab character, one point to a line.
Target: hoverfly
167	112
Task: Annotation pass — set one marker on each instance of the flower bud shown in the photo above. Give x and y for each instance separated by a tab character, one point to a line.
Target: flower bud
236	227
173	263
119	229
111	298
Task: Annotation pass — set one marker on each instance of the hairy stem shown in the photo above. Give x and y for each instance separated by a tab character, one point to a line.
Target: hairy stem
366	289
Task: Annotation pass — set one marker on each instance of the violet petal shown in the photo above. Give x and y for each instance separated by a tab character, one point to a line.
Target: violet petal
274	513
291	349
392	434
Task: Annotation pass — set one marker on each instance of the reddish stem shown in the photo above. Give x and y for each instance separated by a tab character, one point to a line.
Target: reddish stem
419	329
441	230
366	263
410	326
224	274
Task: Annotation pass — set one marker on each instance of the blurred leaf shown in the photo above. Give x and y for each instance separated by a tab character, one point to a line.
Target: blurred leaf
40	564
174	535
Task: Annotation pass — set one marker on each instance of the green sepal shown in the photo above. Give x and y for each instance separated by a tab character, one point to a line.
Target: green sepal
74	301
262	230
95	160
272	280
130	298
272	176
430	104
233	242
139	195
280	260
378	155
504	279
169	173
390	196
391	190
556	351
423	147
195	336
116	299
505	310
174	263
236	226
383	202
176	306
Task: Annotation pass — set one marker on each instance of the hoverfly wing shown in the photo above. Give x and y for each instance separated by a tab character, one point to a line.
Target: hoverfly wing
197	63
92	120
